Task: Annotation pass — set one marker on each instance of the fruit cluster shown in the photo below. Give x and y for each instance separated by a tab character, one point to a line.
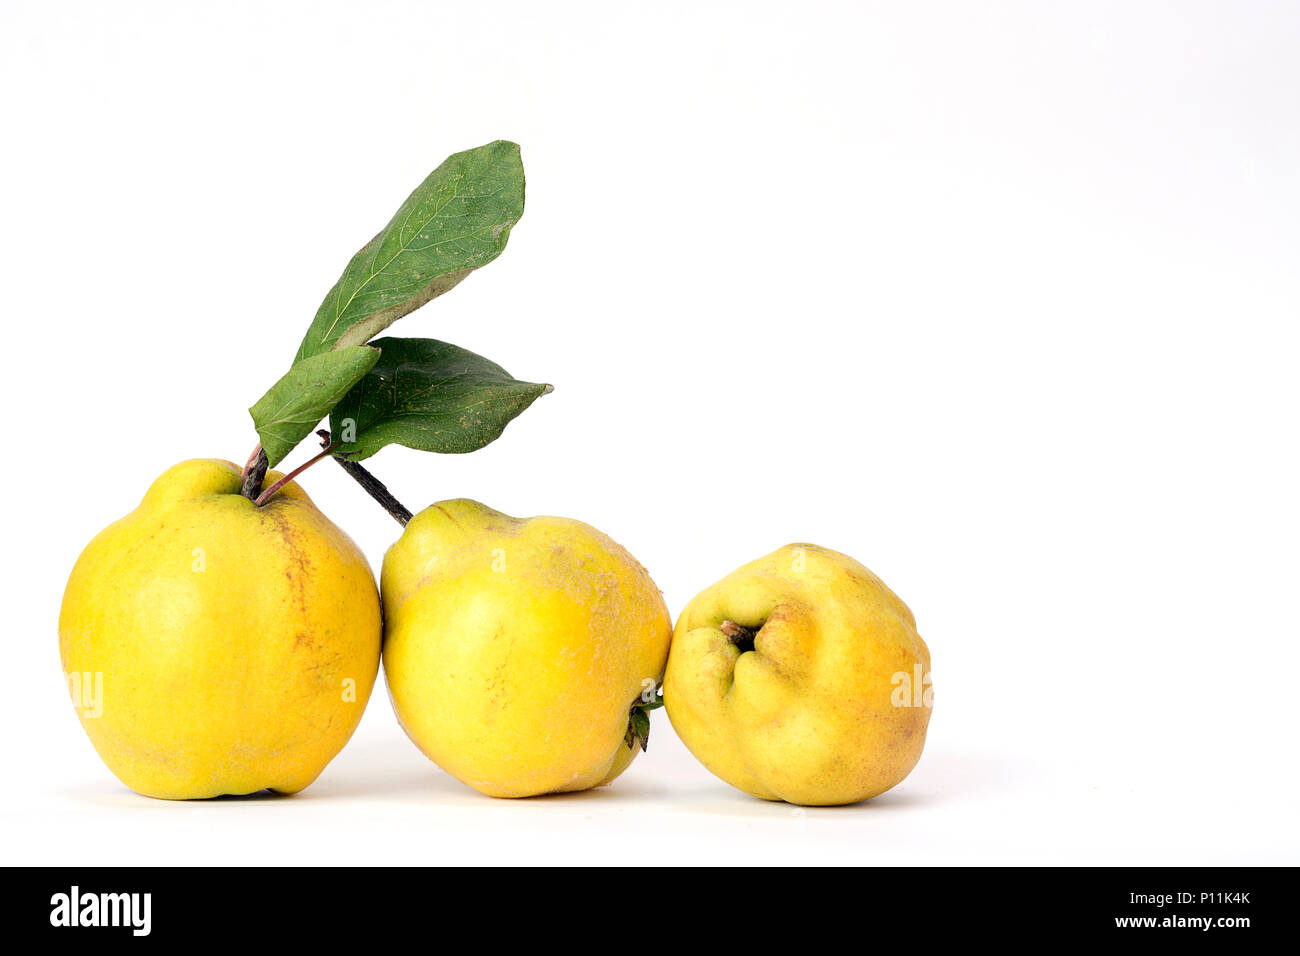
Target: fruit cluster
225	636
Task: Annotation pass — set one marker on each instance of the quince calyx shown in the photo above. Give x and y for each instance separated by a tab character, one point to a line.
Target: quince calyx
638	724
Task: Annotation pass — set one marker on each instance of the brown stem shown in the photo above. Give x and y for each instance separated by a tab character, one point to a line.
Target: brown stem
249	464
373	486
265	496
250	479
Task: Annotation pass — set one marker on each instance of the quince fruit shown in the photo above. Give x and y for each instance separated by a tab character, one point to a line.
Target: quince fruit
801	677
217	647
517	650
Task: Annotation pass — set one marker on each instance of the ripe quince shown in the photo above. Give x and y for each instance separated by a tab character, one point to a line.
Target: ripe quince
801	677
516	650
219	647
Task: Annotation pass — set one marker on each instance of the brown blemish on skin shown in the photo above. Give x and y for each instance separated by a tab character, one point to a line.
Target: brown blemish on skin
300	563
496	685
330	662
779	613
448	514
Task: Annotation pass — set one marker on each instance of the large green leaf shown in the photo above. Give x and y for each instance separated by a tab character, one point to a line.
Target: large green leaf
456	221
305	394
428	395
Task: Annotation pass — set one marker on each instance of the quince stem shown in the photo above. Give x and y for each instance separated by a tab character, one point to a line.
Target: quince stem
266	496
250	479
373	486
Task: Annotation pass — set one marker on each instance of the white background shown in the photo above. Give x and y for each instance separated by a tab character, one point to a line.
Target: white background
998	298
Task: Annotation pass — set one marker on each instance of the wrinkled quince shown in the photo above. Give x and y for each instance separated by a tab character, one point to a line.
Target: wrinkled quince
801	677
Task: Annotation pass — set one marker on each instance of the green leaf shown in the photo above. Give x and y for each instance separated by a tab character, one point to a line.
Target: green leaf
431	396
293	406
456	221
